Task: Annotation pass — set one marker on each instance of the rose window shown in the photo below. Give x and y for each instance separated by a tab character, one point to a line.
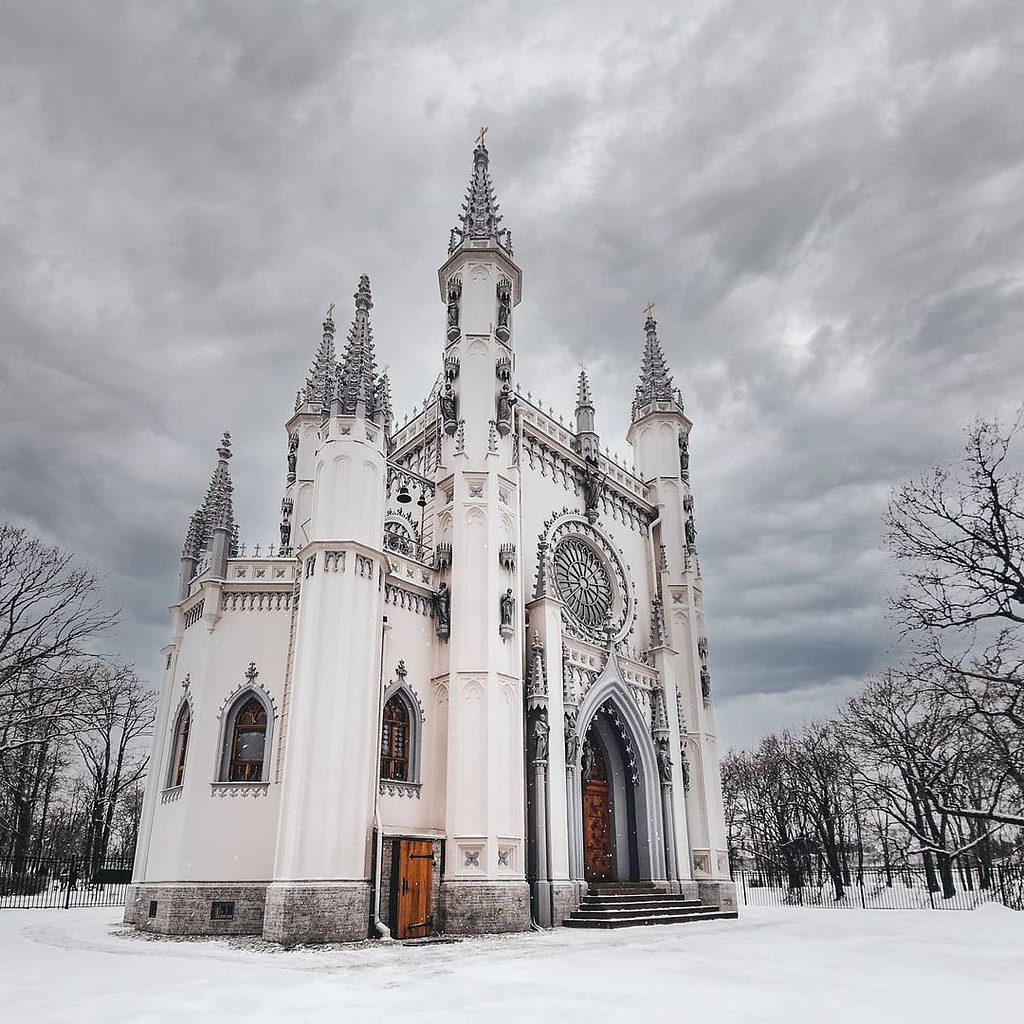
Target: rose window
584	583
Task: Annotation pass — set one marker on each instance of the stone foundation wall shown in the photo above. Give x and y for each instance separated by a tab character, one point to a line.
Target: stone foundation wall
186	909
689	890
565	898
719	894
475	908
301	912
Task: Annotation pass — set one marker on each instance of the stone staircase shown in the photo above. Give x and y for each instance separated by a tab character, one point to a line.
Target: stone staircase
624	905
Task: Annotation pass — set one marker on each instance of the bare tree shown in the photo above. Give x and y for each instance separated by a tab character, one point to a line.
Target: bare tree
112	728
960	538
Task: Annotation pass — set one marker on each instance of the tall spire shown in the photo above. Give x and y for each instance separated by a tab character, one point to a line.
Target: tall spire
655	384
321	373
480	219
217	510
357	385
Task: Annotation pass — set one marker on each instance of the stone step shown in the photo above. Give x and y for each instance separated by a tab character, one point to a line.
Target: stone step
624	898
602	913
624	921
624	906
613	888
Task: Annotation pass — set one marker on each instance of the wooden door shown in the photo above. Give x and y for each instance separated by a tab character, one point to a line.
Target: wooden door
598	852
413	918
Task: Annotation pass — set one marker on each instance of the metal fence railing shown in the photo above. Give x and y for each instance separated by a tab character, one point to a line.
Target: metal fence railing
905	888
45	881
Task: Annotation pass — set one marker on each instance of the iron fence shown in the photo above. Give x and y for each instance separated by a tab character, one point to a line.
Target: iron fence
45	881
904	888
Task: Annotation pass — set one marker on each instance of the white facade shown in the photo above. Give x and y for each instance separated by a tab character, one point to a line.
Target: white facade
481	644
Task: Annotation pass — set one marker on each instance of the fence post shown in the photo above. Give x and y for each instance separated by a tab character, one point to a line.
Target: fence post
70	877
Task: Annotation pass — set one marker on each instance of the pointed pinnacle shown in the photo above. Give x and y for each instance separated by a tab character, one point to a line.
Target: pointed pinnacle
583	398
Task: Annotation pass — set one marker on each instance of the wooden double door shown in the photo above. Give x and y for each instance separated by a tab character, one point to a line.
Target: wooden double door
413	882
598	824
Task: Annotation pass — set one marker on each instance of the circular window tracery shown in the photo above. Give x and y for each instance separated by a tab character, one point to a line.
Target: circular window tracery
590	581
583	582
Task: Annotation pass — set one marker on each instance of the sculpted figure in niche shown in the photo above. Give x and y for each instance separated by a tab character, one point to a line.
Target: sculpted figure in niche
505	402
572	741
507	607
539	737
684	456
586	762
446	400
691	532
293	454
591	487
286	532
454	293
443	611
504	312
664	762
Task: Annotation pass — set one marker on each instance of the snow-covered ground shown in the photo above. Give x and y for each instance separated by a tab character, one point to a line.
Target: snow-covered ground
786	965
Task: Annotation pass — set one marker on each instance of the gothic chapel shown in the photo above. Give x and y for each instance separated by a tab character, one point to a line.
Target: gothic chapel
470	689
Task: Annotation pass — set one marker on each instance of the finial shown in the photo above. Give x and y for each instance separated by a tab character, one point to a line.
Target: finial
224	451
480	137
650	311
330	312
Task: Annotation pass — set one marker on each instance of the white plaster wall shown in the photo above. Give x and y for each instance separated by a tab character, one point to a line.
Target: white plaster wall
206	833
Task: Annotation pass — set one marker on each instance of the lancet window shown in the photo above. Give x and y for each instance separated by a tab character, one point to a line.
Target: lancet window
179	748
245	739
396	740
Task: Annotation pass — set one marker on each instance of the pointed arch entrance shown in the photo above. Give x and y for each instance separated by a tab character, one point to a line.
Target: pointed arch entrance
608	807
619	831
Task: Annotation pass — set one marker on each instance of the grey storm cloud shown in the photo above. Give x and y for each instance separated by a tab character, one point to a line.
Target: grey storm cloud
824	201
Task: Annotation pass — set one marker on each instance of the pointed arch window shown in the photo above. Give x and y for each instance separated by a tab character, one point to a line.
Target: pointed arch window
245	740
396	740
179	748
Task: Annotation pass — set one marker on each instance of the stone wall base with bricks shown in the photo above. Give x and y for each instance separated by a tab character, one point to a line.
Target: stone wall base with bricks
719	894
299	912
476	908
199	908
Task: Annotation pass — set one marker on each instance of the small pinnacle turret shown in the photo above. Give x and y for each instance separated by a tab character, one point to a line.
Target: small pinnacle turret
480	219
588	443
211	528
321	373
655	384
357	387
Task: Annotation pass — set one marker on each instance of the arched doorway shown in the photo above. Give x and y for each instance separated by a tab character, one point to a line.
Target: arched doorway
608	806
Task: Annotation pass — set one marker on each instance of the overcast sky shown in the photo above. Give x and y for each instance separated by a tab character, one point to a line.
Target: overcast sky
824	200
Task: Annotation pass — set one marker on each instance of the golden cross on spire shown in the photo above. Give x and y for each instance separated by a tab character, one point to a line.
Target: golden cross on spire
650	310
480	137
330	311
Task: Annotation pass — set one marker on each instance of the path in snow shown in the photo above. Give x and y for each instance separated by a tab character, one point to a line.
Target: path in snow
783	966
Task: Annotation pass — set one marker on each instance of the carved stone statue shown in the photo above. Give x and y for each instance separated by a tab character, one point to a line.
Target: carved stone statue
505	402
443	612
684	456
539	737
293	455
591	488
691	532
705	683
454	293
586	762
664	762
572	741
684	770
504	312
507	607
286	533
446	400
